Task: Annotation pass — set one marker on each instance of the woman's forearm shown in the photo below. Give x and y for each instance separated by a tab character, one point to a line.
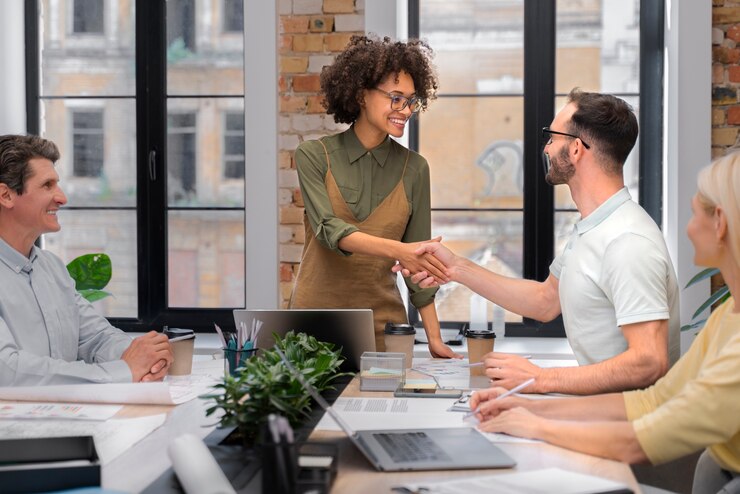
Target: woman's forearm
615	440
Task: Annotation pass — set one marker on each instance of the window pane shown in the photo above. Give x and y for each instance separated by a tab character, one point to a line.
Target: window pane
97	142
202	57
598	45
480	164
110	232
198	139
478	45
233	15
491	239
206	258
76	63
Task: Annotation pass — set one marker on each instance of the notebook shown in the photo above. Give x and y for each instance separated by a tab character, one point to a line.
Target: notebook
416	449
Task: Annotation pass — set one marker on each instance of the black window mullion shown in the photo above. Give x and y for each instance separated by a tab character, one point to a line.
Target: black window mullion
652	14
33	70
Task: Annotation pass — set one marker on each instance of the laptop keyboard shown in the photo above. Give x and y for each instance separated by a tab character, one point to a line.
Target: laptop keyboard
410	447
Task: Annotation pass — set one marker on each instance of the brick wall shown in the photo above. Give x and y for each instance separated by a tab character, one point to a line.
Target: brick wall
725	75
311	33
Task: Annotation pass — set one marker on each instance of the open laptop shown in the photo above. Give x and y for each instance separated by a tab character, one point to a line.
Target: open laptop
416	449
351	329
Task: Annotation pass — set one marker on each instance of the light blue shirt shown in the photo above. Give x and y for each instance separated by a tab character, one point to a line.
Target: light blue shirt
614	271
49	334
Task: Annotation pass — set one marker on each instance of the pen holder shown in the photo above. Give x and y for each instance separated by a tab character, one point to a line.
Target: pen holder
317	467
235	359
279	465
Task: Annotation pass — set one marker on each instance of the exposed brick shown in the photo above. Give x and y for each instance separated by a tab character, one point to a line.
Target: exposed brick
725	15
286	43
285	196
718	3
724	137
308	42
306	83
349	22
283	123
299	235
733	33
339	6
284	159
285	7
290	215
733	73
315	105
283	84
293	64
307	6
285	234
718	116
733	115
717	36
729	43
288	178
321	24
718	73
295	24
286	272
292	104
724	96
718	152
317	62
337	41
297	197
723	54
287	141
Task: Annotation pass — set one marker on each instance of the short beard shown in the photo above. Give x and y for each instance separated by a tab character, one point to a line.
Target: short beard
561	169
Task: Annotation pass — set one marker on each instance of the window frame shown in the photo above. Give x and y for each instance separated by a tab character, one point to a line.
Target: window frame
539	97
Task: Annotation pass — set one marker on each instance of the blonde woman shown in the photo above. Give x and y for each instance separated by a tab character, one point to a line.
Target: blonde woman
695	405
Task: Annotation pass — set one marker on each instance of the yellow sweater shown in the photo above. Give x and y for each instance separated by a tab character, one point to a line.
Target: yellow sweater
697	403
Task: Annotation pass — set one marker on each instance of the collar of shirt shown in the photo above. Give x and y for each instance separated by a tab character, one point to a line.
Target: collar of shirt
355	149
602	212
14	259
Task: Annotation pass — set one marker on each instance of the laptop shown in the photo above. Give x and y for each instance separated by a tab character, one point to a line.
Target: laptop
351	329
415	449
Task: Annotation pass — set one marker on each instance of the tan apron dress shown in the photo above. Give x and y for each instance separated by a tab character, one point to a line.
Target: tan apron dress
327	280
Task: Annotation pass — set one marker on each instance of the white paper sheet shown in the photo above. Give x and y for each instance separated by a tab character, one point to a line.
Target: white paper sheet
112	437
69	411
532	482
171	392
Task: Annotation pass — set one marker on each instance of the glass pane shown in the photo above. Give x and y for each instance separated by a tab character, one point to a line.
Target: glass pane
564	223
97	142
205	47
110	232
598	46
206	259
205	157
86	48
631	170
491	239
478	45
480	165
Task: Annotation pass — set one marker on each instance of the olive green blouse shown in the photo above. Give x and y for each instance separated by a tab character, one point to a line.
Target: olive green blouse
365	178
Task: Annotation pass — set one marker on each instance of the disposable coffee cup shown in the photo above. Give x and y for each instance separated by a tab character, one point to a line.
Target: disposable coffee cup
400	338
479	343
182	342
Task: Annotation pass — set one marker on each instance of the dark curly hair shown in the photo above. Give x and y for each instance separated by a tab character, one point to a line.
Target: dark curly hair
365	62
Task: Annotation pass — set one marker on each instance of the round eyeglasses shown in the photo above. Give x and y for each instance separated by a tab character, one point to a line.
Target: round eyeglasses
399	101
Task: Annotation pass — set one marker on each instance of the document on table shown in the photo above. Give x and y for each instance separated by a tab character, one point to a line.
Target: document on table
112	437
171	392
532	482
69	411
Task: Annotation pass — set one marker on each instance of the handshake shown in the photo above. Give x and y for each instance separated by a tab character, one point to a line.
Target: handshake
428	263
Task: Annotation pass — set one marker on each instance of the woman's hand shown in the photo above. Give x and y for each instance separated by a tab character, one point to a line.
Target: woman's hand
439	350
518	422
415	262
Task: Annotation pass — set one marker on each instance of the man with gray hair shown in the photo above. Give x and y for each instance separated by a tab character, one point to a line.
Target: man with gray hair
49	334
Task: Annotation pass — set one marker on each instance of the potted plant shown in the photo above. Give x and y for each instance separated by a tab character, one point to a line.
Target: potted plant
718	297
265	385
91	273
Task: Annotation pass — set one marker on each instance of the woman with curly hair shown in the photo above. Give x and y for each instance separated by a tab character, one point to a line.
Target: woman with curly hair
367	197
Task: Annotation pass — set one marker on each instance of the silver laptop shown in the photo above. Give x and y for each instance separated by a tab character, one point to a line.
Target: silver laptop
351	329
416	449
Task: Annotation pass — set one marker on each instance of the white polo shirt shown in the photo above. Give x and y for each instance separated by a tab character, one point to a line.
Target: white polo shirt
615	270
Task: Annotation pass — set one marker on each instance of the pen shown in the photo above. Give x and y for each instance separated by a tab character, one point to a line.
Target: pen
508	393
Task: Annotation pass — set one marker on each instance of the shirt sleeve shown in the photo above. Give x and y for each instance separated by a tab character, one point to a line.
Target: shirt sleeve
634	277
327	228
418	229
683	414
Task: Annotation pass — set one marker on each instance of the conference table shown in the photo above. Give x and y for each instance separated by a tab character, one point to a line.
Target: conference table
138	467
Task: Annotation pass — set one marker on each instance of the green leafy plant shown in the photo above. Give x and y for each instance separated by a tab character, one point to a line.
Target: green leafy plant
719	296
91	273
265	385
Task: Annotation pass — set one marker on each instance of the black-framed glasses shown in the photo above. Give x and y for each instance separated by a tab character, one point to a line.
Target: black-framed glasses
399	101
547	136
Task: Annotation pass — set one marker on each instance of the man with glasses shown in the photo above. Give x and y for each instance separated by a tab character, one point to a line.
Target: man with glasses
614	282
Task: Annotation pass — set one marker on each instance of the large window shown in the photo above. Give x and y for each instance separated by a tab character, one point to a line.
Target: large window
138	115
505	69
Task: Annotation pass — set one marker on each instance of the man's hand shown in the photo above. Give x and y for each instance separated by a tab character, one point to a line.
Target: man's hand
413	259
439	350
145	354
508	370
434	250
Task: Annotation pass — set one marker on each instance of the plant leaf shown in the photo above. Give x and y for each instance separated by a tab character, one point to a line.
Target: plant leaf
693	325
92	294
721	292
90	271
701	275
